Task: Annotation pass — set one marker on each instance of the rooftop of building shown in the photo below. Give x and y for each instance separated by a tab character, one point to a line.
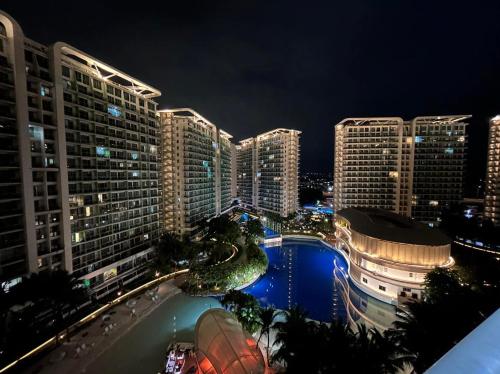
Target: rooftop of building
195	116
444	119
385	225
277	131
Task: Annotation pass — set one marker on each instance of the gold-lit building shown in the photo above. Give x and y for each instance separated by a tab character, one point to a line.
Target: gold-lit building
492	198
268	172
197	175
414	168
389	254
79	165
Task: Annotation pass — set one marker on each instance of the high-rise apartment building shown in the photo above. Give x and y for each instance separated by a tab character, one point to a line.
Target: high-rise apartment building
79	164
268	172
492	198
246	172
197	170
414	168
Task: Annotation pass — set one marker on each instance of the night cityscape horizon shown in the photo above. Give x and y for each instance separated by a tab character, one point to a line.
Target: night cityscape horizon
238	187
310	70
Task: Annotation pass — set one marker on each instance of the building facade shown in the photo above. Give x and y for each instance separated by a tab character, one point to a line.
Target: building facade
389	254
196	171
268	172
246	174
492	198
414	168
85	160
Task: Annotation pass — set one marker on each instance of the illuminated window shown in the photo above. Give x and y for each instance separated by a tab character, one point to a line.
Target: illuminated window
77	237
114	110
419	139
102	151
433	203
448	151
36	132
44	91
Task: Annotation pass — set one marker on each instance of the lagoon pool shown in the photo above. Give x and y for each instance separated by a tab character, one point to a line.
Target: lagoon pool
300	273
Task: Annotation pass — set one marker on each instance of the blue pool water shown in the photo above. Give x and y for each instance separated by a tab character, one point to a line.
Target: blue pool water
270	233
301	272
319	209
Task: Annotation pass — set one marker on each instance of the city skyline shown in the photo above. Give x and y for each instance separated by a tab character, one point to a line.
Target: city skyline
358	76
155	215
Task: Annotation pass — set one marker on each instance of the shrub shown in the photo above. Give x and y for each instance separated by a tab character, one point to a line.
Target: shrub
226	276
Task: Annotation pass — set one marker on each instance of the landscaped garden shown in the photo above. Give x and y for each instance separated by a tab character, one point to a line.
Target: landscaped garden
210	271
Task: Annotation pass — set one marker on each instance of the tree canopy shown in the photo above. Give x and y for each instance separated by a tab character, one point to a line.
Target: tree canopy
245	307
254	229
449	310
223	229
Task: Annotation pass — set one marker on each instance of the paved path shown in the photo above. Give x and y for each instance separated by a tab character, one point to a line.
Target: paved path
135	344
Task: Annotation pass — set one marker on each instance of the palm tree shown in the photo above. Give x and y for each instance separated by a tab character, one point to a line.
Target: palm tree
245	307
335	343
385	355
296	340
267	317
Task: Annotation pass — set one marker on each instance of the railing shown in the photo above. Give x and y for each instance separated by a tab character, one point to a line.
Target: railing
90	317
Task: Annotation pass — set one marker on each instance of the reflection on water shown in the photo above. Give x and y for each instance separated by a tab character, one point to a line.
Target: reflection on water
308	273
300	273
362	308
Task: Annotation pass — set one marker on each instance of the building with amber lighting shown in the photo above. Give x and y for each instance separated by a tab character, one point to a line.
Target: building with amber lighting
246	175
268	172
414	168
197	170
492	198
389	254
78	165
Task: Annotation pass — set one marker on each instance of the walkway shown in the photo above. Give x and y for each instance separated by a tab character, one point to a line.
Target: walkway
134	344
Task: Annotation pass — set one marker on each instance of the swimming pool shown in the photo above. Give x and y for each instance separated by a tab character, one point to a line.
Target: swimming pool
319	209
301	272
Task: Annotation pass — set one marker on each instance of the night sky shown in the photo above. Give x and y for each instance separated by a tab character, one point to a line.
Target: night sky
252	66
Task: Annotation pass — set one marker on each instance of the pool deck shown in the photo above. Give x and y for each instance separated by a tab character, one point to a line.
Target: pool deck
135	344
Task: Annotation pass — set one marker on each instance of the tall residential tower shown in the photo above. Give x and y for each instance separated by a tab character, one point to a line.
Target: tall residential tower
268	172
197	170
414	168
78	161
492	200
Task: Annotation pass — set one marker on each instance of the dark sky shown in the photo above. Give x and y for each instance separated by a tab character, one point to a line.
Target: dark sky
251	66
